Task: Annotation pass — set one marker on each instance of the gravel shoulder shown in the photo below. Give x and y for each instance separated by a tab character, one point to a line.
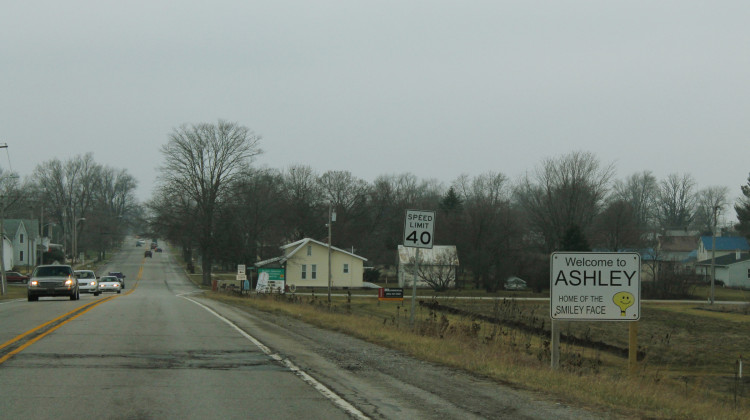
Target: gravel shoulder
387	384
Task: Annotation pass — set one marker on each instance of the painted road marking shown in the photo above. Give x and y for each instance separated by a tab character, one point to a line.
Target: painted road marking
330	395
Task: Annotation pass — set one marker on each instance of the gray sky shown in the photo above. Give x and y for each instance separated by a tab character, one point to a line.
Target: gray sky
435	88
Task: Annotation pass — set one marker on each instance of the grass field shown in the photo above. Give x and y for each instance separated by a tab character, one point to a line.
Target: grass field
687	369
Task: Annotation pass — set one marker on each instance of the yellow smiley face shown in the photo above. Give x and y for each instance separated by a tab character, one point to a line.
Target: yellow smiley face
623	300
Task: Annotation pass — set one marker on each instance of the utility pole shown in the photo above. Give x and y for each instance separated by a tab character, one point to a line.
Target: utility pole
2	248
713	256
3	282
331	219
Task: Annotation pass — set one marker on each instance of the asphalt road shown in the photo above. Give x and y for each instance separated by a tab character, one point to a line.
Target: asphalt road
161	351
147	353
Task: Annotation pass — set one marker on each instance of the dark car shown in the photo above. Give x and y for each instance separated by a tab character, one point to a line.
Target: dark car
119	275
147	254
16	277
53	280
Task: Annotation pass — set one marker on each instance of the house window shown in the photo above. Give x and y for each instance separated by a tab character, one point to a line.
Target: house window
22	240
748	273
346	268
304	271
314	271
309	250
21	255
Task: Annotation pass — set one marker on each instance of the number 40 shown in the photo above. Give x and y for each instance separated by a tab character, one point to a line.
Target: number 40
424	238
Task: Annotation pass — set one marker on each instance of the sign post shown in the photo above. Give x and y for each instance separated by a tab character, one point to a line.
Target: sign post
419	228
241	276
591	286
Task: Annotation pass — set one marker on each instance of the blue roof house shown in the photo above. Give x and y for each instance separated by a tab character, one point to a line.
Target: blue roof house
725	245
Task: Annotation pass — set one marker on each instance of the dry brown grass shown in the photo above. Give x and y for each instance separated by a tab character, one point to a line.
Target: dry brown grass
588	377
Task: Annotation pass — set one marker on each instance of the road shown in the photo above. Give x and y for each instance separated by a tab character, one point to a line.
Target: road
159	351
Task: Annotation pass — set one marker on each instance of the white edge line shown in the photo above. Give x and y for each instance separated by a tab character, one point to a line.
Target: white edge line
333	397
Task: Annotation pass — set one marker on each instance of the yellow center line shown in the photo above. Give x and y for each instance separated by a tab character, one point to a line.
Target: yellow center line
81	310
44	334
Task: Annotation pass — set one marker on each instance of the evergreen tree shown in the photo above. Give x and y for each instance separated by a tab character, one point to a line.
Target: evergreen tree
451	202
574	240
743	210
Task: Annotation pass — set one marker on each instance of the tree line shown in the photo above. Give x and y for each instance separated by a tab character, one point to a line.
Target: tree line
214	202
78	194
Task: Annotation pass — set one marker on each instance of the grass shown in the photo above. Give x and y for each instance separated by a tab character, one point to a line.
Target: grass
14	291
687	371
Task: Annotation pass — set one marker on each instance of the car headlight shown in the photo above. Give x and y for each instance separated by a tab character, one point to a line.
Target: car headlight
33	283
69	282
93	283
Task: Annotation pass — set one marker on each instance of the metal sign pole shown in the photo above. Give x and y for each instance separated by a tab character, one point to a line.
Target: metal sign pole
414	287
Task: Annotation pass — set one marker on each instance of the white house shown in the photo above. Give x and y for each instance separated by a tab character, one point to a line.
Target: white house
306	265
732	270
7	253
438	265
725	245
24	237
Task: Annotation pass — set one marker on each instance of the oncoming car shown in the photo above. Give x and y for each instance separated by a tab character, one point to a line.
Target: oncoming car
119	275
109	284
87	282
53	280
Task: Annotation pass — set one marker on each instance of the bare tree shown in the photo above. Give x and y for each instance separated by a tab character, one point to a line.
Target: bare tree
489	229
304	216
201	161
617	227
68	189
440	272
349	197
710	203
640	191
564	192
676	201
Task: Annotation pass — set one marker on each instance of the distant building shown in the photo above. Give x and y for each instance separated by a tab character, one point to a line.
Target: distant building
439	264
24	237
732	270
725	245
306	265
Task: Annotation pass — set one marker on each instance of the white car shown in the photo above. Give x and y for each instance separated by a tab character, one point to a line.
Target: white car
109	284
87	282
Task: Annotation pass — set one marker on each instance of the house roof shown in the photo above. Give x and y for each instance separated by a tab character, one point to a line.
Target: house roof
678	243
725	260
726	243
426	255
11	226
296	246
269	261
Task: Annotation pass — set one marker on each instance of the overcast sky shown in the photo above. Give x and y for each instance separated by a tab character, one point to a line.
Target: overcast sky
435	88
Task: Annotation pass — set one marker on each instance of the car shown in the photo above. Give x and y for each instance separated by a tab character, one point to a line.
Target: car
120	276
515	283
87	282
147	254
16	277
53	280
110	284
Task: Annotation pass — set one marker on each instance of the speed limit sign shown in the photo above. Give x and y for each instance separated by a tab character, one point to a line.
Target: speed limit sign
419	226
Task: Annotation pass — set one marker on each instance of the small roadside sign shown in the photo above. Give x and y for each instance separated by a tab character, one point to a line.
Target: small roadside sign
590	286
241	269
391	294
419	227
